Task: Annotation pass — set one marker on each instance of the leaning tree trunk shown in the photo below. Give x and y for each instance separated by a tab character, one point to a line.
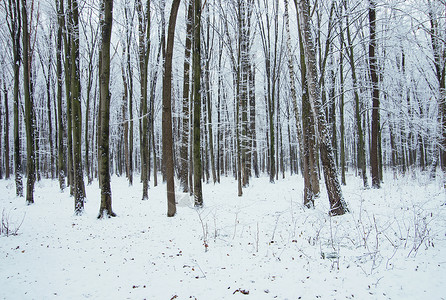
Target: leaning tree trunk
105	209
337	203
167	112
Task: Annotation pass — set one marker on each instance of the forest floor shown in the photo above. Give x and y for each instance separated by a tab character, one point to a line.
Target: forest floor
264	245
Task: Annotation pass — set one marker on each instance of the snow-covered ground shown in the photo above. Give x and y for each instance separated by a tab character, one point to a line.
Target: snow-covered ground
264	245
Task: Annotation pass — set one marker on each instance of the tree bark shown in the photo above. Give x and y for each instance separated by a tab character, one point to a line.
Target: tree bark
144	51
374	151
7	169
78	179
29	120
167	112
196	65
60	139
184	157
15	25
105	209
337	204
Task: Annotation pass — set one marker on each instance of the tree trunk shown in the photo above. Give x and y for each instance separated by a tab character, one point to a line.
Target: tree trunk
13	13
374	151
105	209
196	65
78	180
68	94
361	163
341	101
184	157
337	204
144	48
7	170
29	120
167	112
60	142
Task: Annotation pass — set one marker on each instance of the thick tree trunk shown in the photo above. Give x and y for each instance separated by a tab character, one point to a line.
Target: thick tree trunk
337	204
105	209
78	180
29	120
167	112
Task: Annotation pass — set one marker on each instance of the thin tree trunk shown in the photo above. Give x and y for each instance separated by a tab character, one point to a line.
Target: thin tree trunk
144	48
374	151
68	94
341	101
361	163
184	157
7	170
14	16
60	150
196	62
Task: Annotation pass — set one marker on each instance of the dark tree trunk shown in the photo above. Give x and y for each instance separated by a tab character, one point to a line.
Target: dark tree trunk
196	62
78	179
68	94
105	209
60	142
374	151
144	48
7	170
341	102
167	112
15	25
29	120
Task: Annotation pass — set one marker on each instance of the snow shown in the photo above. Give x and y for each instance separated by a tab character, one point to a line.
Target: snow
264	245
